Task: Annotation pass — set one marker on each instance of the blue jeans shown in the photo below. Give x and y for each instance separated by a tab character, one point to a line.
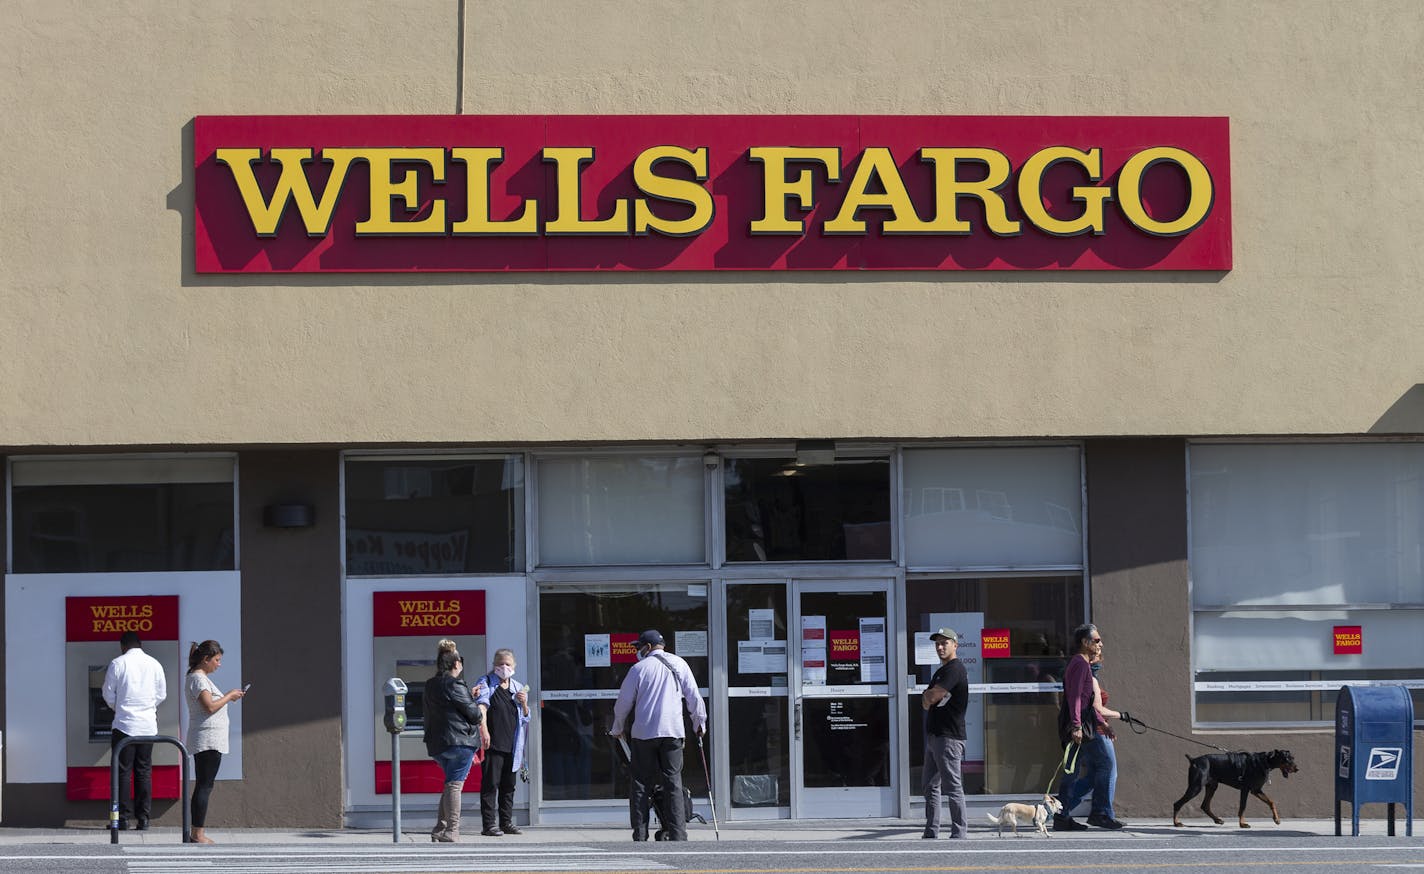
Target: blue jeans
1096	773
455	762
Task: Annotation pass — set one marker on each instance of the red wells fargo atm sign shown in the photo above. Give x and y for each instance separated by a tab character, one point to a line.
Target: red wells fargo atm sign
314	194
427	614
151	617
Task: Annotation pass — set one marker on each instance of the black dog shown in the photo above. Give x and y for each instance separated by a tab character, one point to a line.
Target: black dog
1248	772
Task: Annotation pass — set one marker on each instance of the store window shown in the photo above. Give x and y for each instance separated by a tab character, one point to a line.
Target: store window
1307	569
123	514
587	640
622	510
1007	507
1012	720
778	509
434	515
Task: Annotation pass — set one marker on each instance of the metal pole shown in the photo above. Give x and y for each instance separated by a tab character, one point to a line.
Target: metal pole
114	791
395	789
186	837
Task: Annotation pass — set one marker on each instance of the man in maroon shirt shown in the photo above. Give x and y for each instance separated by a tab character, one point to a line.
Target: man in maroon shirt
1080	723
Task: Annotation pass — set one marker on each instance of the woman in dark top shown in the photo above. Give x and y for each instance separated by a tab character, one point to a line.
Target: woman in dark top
452	735
505	706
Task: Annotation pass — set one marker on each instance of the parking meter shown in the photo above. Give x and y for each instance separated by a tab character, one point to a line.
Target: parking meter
395	724
395	705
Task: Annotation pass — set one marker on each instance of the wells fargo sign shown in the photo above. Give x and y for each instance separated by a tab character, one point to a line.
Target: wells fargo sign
313	194
151	617
427	614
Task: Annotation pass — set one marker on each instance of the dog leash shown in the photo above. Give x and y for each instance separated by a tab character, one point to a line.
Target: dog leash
1067	764
1133	722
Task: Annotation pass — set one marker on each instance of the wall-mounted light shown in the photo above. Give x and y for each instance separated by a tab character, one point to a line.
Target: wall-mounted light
810	452
711	460
288	515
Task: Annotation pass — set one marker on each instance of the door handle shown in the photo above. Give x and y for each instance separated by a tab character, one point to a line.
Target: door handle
798	719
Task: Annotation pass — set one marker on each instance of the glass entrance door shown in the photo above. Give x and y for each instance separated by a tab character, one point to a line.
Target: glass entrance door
843	725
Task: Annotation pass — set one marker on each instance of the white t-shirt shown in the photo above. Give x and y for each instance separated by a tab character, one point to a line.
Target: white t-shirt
206	731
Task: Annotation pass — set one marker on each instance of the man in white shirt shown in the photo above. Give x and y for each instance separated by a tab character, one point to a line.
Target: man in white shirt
653	692
134	686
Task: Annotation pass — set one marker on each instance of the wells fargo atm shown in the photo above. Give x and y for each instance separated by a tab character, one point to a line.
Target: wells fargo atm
407	627
92	630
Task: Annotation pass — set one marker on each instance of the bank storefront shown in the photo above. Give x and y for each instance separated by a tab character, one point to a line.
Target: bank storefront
800	582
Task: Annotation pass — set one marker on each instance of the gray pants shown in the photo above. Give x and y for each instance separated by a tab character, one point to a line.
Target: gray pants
944	757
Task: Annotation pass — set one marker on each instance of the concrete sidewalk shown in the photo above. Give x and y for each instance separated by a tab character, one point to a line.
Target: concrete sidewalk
760	832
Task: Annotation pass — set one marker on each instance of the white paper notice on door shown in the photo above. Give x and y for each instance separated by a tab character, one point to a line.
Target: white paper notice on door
761	656
925	649
872	649
761	624
813	650
597	651
690	644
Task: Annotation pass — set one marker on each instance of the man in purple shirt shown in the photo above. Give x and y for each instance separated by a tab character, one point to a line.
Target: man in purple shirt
1080	723
652	693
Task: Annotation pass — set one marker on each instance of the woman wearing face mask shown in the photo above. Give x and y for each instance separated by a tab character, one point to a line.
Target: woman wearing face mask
504	703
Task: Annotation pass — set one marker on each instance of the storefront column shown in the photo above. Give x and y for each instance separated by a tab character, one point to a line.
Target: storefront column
1137	561
291	628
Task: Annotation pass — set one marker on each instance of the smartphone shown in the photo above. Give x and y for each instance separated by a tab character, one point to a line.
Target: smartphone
245	688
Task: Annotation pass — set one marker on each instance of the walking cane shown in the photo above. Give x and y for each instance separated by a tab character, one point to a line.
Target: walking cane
710	800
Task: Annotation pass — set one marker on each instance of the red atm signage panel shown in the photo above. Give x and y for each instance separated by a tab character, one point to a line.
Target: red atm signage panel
427	614
152	617
317	194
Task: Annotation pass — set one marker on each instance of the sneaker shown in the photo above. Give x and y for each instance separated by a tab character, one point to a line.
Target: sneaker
1102	820
511	829
1063	823
929	835
492	833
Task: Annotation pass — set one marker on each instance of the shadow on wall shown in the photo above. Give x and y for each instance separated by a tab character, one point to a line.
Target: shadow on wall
1405	417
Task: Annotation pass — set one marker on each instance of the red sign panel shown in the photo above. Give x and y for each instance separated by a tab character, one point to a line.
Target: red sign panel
994	643
151	617
427	614
845	646
318	194
622	648
1349	640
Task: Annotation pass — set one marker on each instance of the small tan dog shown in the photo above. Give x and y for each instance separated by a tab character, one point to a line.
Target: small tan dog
1013	812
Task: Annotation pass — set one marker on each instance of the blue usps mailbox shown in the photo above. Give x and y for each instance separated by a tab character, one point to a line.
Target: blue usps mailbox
1374	751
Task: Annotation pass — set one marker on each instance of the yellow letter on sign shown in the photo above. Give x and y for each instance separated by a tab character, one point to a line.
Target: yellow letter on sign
385	191
675	190
1091	196
779	189
1199	191
292	185
568	166
877	163
477	204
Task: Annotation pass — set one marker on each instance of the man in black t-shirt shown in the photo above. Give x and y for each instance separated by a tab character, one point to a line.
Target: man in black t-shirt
944	703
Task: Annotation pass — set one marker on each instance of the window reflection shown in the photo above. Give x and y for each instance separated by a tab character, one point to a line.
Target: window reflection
1014	736
434	516
586	648
114	527
778	510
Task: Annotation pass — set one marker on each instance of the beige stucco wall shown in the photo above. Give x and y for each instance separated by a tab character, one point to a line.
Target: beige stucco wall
107	337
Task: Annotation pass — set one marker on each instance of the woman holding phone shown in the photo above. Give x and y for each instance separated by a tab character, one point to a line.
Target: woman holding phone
207	727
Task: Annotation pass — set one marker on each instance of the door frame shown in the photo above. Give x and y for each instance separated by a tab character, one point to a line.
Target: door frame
852	802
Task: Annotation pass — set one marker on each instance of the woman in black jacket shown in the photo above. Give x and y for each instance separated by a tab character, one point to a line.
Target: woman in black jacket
452	735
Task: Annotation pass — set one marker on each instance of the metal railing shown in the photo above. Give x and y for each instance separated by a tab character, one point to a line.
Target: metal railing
114	781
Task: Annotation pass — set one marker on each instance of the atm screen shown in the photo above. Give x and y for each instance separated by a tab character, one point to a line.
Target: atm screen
101	715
